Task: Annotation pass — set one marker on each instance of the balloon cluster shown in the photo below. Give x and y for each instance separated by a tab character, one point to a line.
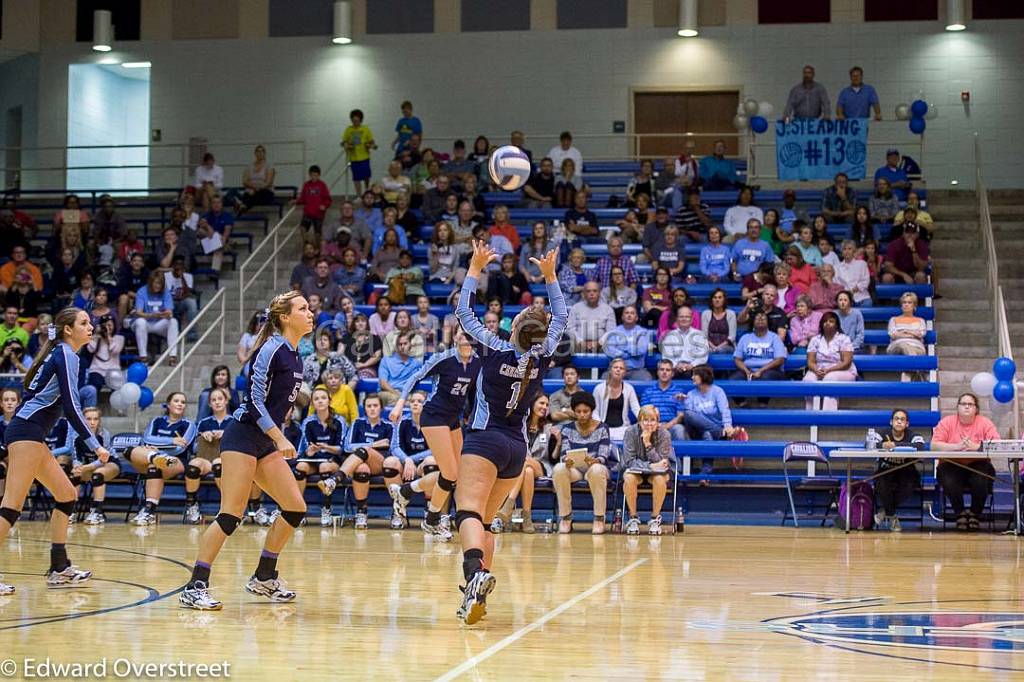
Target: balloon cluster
997	384
754	115
128	388
916	112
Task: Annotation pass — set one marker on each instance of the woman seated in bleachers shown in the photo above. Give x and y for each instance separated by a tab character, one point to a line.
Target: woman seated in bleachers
84	296
862	230
896	477
166	441
716	258
771	231
70	225
382	320
706	413
645	214
403	325
567	183
154	314
538	245
737	217
786	293
907	330
572	277
719	323
509	285
616	399
808	247
105	346
824	291
851	320
642	183
657	298
801	273
585	432
503	226
647	456
385	258
248	338
445	255
540	443
883	205
873	259
852	273
760	355
362	347
829	358
618	294
803	324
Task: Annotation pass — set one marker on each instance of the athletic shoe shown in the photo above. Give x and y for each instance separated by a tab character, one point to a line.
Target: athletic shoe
192	514
361	523
654	525
71	576
327	485
95	518
198	597
161	461
633	526
879	518
398	501
446	523
326	517
262	517
528	527
71	518
5	589
439	532
474	597
143	518
497	525
894	524
273	589
397	522
274	515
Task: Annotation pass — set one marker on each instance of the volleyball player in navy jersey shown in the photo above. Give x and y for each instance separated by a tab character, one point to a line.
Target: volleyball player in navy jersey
61	441
323	434
88	467
51	389
369	442
494	451
453	374
166	444
10	399
205	458
254	449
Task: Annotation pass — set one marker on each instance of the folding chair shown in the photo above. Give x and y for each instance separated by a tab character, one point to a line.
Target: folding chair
645	487
121	446
805	451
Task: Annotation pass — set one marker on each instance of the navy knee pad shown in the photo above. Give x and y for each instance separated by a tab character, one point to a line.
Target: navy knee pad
294	518
227	522
152	472
67	507
430	468
462	515
98	481
193	472
75	480
217	469
3	471
299	476
445	483
362	453
9	515
361	477
388	472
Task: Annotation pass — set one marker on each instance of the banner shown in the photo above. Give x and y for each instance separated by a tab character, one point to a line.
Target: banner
816	149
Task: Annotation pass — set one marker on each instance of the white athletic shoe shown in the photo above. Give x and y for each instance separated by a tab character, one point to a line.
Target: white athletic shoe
143	518
262	516
361	523
198	597
654	525
273	589
192	514
5	589
474	597
633	526
398	502
71	518
71	576
879	519
95	518
497	526
894	524
397	522
326	517
440	532
274	515
327	485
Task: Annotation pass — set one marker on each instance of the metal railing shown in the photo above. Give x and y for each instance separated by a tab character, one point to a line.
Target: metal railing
279	242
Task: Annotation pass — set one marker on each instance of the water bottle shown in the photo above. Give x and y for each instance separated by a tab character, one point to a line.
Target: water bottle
871	442
617	524
680	520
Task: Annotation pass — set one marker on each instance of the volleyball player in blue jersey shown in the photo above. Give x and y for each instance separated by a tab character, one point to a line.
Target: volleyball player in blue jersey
323	434
166	444
453	374
51	390
494	451
254	449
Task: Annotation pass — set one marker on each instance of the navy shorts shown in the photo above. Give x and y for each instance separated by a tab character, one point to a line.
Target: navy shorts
437	418
361	170
507	451
246	438
23	429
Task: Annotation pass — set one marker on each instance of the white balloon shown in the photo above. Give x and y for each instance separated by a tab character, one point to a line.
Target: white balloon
117	402
750	107
982	383
130	394
933	111
766	110
114	379
902	111
740	122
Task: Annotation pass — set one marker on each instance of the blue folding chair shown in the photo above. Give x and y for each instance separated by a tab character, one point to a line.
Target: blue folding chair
805	451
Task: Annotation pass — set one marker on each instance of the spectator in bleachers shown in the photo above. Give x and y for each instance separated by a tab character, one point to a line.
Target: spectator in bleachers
247	340
647	456
862	230
839	200
642	183
16	226
480	154
667	182
907	330
965	431
404	328
394	183
315	199
369	212
873	260
346	309
220	379
306	267
893	487
471	193
797	273
450	214
760	356
19	263
589	320
107	224
412	153
894	174
883	204
82	297
807	99
517	139
653	234
824	290
922	217
806	244
508	284
706	414
616	399
828	253
445	255
785	292
410	276
686	346
572	277
322	284
715	258
362	235
182	288
771	231
585	431
778	320
350	276
406	126
362	347
342	396
615	258
38	337
738	217
129	245
645	213
540	188
257	184
680	297
209	180
568	183
670	254
790	214
618	294
560	400
656	299
858	99
829	358
749	252
631	343
171	247
899	227
358	142
385	257
850	319
154	314
685	167
23	297
496	307
71	223
719	323
320	316
105	347
565	150
389	222
397	369
220	222
382	320
502	227
426	324
803	323
692	216
580	220
314	366
499	244
435	198
64	279
459	166
717	172
663	397
537	246
10	329
628	228
14	360
464	226
907	259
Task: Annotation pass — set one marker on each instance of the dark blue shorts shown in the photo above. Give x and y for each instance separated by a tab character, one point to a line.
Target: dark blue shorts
361	170
246	438
23	429
438	418
507	451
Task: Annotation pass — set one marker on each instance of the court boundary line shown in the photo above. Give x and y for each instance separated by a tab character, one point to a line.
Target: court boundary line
479	658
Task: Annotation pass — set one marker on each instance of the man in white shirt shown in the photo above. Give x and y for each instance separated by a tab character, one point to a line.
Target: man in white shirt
590	320
564	150
209	180
181	286
684	346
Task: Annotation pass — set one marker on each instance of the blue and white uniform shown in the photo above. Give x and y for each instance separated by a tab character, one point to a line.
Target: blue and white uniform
363	434
210	423
86	456
407	441
452	382
497	429
53	393
275	377
161	432
61	439
314	431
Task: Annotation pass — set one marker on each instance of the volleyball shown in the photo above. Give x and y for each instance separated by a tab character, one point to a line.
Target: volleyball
509	168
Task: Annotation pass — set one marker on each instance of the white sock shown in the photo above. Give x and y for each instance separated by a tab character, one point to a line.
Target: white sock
153	501
417	485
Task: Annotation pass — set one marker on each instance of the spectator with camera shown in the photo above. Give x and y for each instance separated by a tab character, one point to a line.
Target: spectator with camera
105	347
777	319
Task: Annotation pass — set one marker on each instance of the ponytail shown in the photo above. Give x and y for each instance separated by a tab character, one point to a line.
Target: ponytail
55	334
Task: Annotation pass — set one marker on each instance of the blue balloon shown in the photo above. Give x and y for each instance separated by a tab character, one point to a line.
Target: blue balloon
759	124
1002	392
241	383
1004	369
917	125
137	373
145	397
918	108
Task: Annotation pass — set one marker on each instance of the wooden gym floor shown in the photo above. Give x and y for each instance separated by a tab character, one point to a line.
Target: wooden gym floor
717	603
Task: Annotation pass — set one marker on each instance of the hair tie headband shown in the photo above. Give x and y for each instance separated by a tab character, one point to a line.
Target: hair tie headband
265	316
51	332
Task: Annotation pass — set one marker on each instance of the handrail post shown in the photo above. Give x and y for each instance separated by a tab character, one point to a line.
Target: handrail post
241	296
273	261
223	319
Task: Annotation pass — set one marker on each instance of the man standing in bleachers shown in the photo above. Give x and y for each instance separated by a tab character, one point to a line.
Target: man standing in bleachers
807	99
564	150
858	99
